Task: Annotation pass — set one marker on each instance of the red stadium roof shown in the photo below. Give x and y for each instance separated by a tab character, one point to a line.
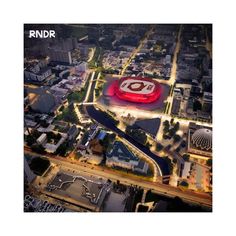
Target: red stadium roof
138	89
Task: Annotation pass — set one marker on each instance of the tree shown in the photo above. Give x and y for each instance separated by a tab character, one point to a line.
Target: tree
62	149
172	132
186	157
165	136
166	126
197	105
183	143
172	121
38	148
149	145
39	165
159	147
184	184
62	108
176	126
209	162
166	129
29	140
166	123
137	134
176	138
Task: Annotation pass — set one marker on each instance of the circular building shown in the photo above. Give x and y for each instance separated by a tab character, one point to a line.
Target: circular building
202	139
138	89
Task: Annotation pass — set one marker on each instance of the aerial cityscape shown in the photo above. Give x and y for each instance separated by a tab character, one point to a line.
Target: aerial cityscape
118	118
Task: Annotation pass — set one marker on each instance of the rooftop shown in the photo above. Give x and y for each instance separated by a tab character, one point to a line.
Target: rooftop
120	151
150	126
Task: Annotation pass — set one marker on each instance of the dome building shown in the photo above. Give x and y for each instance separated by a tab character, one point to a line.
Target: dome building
200	140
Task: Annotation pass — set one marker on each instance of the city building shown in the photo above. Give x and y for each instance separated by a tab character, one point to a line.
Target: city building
37	71
42	139
185	173
58	55
121	156
28	173
96	147
72	132
175	106
52	147
200	140
43	102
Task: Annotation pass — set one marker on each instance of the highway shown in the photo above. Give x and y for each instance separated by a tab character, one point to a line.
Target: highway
165	190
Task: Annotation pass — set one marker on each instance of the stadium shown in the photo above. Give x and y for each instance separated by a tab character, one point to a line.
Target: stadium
137	89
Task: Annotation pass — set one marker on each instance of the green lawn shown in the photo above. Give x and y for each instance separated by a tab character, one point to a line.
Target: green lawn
97	58
68	115
77	96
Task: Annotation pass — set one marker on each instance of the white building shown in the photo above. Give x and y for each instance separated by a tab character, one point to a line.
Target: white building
39	75
42	139
82	67
168	59
186	170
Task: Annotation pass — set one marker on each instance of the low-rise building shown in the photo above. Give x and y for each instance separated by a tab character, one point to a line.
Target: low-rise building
39	76
42	139
51	147
121	156
73	132
200	140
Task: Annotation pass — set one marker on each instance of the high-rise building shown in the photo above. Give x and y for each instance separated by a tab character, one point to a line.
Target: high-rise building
28	173
60	55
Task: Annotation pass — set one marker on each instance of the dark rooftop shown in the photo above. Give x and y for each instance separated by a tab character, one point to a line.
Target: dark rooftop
122	152
150	126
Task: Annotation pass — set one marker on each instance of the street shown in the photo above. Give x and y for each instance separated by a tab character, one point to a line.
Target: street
166	190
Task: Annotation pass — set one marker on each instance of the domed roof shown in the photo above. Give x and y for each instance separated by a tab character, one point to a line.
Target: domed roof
202	138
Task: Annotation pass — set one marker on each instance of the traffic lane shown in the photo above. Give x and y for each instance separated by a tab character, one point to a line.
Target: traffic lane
167	190
162	189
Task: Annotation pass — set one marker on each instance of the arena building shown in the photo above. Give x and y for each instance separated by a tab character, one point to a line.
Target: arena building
137	89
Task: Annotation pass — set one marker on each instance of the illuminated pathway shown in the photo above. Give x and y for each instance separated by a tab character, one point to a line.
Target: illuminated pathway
135	51
89	87
173	75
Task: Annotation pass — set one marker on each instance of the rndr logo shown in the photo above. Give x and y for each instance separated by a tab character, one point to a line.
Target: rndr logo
42	34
